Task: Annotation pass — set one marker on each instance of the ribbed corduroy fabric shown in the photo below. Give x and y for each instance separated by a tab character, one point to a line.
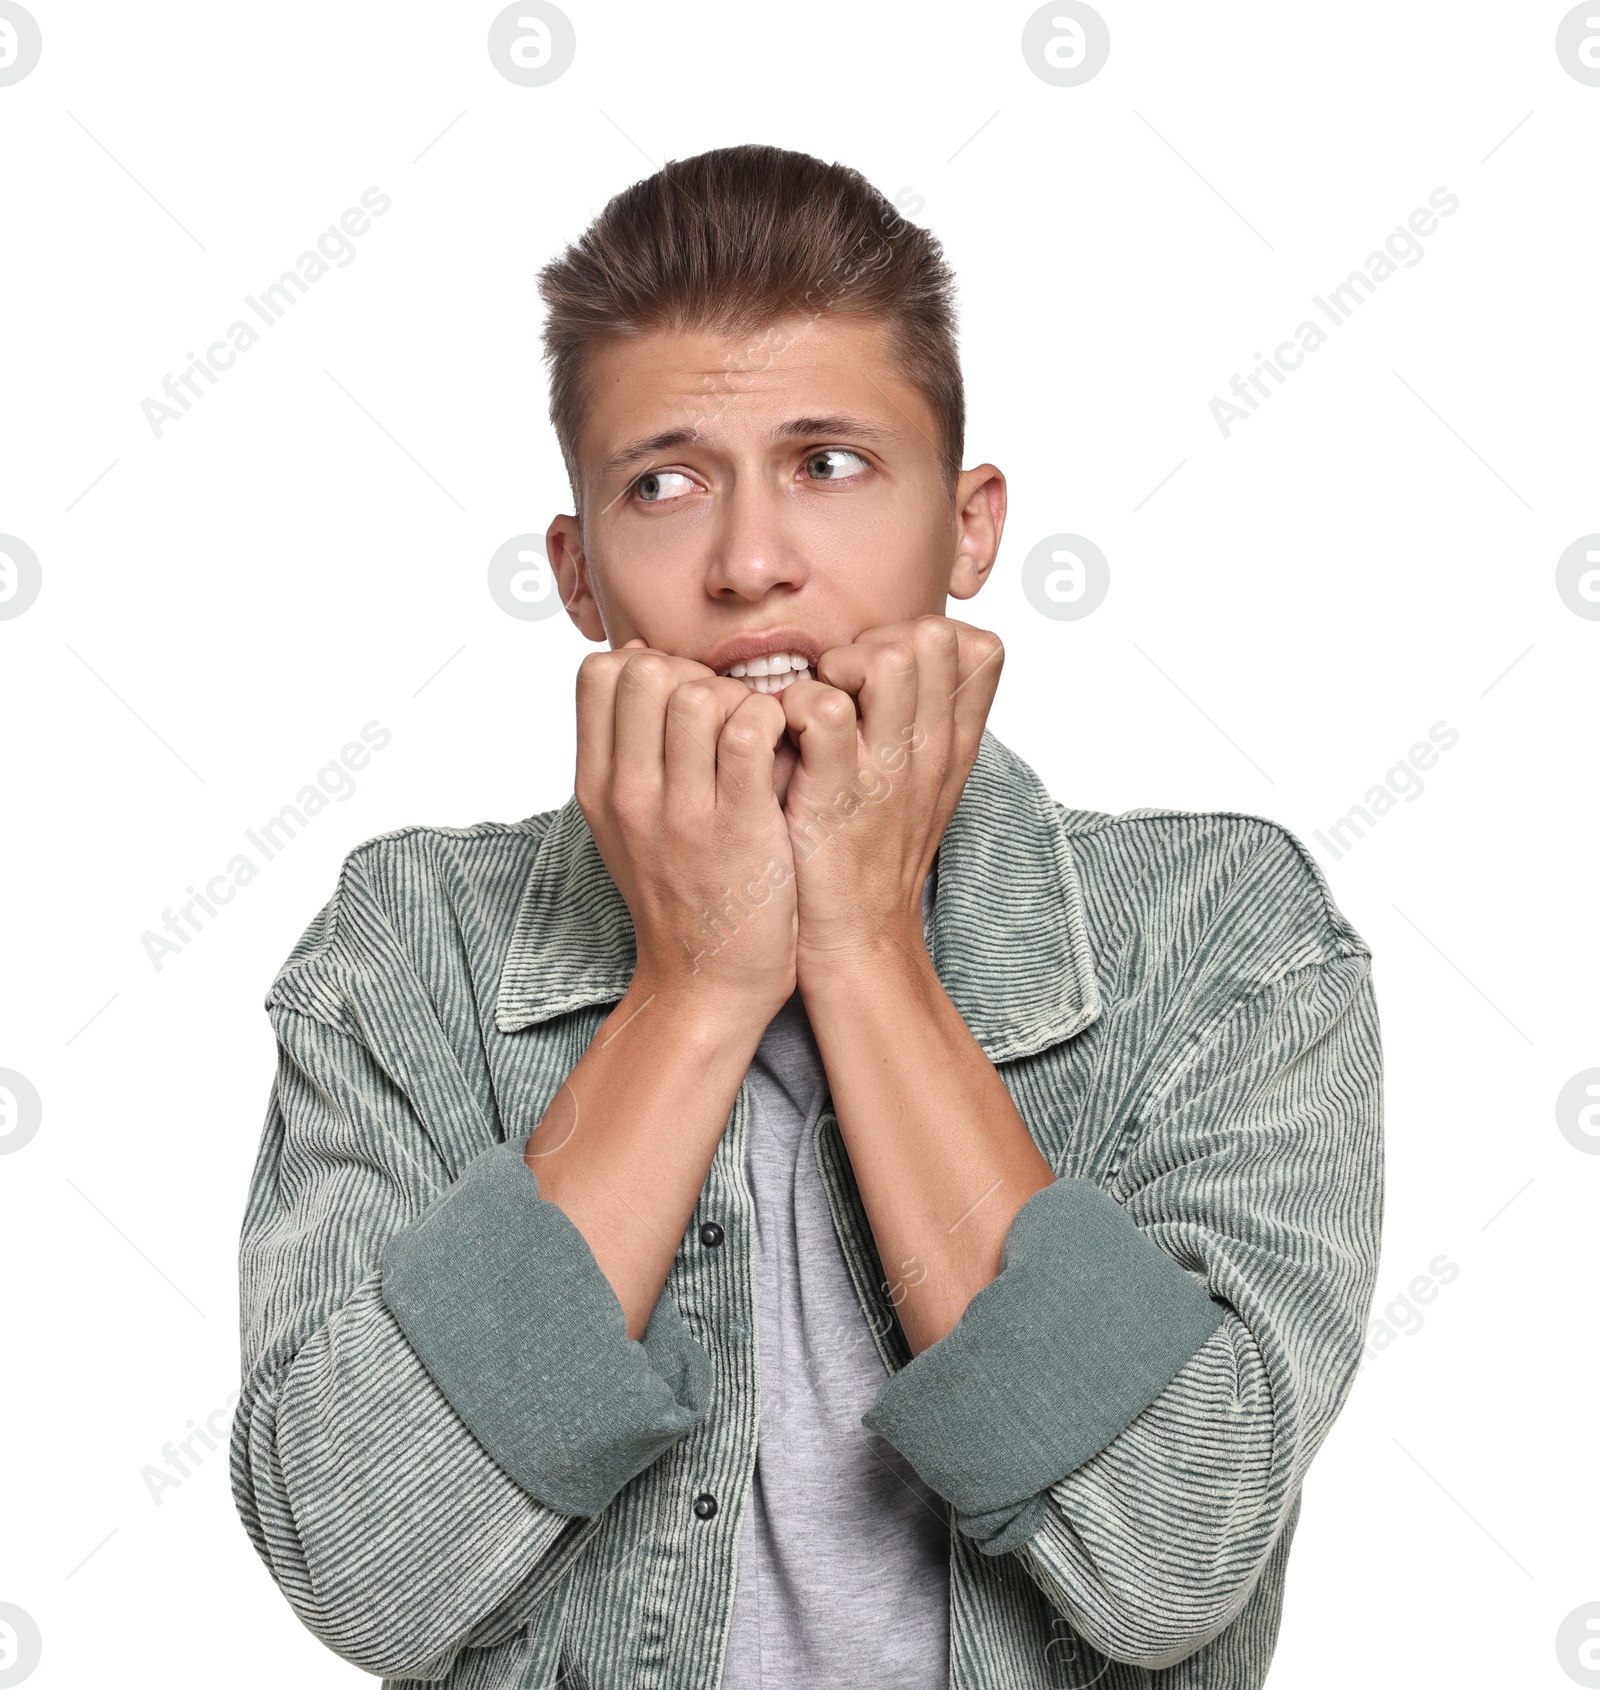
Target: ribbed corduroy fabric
460	1471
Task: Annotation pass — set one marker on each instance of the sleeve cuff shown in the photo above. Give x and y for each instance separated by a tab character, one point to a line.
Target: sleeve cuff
1083	1328
502	1299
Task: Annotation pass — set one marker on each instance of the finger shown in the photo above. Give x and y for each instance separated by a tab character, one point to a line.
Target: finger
644	685
597	694
881	676
746	748
597	710
983	656
935	641
823	723
598	691
695	716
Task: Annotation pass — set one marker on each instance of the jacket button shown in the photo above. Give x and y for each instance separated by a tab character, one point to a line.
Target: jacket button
710	1233
705	1505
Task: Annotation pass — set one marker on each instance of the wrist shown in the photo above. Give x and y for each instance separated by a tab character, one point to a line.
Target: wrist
705	1015
890	960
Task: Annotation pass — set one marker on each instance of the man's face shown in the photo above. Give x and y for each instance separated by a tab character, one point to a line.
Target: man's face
753	494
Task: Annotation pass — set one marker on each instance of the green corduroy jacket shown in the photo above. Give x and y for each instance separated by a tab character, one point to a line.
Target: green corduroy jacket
460	1470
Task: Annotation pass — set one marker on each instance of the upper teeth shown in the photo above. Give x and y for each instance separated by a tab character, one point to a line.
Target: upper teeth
772	673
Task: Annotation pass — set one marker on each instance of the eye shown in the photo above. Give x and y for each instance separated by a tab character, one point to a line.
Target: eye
660	485
828	472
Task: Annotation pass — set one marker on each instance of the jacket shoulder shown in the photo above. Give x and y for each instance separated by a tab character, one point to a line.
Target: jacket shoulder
1248	869
397	890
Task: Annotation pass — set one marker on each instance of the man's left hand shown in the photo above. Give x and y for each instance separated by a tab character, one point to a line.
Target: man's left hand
888	733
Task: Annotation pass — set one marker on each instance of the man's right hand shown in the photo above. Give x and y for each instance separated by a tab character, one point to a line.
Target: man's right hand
674	777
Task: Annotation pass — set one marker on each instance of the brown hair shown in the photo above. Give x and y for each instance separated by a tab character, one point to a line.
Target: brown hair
733	240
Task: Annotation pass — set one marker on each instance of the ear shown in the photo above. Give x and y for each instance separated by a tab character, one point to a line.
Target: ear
563	544
980	502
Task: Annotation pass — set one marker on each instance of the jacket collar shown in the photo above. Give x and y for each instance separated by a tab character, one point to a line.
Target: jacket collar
1010	942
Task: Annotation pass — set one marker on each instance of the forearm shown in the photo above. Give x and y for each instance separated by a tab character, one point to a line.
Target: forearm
626	1144
941	1157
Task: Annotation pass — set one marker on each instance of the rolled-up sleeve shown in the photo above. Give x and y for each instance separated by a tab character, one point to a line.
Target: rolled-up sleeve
436	1375
1085	1324
1132	1404
502	1298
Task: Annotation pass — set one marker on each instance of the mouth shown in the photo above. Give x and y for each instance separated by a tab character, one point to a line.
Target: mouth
776	672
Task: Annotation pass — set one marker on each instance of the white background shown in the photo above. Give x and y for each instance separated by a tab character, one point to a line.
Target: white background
226	605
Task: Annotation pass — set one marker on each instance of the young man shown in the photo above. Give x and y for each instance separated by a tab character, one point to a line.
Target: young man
812	1210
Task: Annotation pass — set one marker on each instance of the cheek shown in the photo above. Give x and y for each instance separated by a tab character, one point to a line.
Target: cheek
888	560
648	591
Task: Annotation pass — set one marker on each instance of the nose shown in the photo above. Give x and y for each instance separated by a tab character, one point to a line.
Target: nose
752	550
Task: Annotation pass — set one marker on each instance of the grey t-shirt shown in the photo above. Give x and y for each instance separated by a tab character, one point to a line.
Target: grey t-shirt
844	1553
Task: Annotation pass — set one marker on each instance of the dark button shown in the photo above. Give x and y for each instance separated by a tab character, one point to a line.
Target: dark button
705	1505
710	1233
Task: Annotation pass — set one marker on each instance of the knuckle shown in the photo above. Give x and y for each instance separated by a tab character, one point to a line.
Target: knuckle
835	709
595	670
692	701
648	668
742	738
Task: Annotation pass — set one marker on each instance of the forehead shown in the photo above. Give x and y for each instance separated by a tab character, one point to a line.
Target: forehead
734	386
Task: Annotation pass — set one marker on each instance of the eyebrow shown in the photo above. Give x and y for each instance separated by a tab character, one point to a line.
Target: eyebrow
795	428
